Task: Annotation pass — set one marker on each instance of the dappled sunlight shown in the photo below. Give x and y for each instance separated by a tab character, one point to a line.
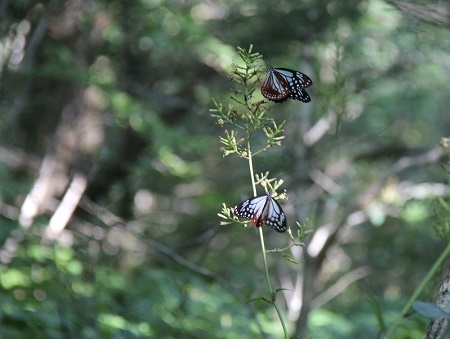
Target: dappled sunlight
410	190
143	200
172	163
38	194
111	322
356	218
318	240
216	54
316	132
12	47
68	204
14	278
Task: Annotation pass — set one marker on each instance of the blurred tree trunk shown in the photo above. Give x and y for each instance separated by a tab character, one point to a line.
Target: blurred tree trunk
438	327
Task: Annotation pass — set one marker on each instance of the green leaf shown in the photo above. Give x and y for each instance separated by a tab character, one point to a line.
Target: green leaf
430	310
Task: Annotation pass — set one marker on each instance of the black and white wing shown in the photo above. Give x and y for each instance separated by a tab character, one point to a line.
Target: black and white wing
254	209
263	209
276	218
275	86
282	84
301	95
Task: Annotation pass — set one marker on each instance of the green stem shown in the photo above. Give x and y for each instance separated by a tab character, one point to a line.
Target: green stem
261	235
250	164
269	285
266	268
263	248
282	320
418	290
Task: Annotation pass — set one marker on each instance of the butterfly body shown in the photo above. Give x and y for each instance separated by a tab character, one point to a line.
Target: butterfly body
283	83
263	209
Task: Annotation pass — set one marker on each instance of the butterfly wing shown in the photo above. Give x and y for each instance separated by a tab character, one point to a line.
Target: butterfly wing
275	86
254	209
283	83
295	79
276	218
301	95
261	210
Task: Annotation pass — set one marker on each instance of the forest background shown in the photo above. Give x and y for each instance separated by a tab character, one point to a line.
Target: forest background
112	176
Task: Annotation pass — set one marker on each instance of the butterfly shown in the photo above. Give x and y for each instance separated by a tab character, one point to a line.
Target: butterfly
282	84
263	209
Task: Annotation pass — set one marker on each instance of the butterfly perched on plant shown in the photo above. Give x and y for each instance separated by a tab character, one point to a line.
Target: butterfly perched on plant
282	84
263	209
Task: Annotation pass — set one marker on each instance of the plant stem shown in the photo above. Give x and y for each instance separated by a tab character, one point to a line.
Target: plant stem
269	285
286	336
266	268
250	164
263	249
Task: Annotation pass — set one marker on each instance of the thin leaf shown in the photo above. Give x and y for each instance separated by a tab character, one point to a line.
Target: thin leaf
430	310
